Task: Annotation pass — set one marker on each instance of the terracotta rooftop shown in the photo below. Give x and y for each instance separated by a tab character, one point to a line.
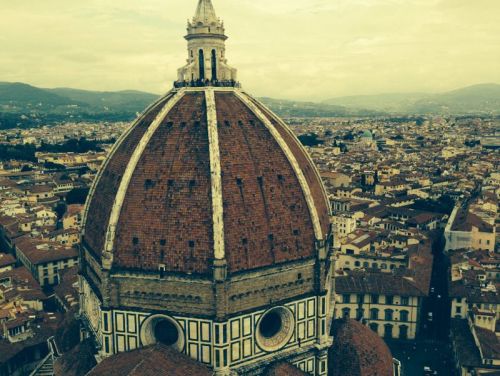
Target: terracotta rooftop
22	277
375	283
465	220
76	362
41	251
6	260
73	209
284	369
358	351
157	360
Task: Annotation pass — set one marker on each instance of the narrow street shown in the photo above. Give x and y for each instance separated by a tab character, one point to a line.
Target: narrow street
436	310
432	348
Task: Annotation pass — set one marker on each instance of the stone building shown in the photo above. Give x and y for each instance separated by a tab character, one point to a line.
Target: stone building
390	306
207	229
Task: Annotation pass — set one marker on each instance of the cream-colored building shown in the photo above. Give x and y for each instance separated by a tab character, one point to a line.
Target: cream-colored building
466	230
343	224
393	311
44	259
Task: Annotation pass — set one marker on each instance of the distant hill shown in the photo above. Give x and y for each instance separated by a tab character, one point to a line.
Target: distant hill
120	100
477	99
19	94
23	105
288	108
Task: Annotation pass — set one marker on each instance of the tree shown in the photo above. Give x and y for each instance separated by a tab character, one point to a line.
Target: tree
363	180
310	139
443	205
60	209
349	137
81	145
54	166
17	152
77	196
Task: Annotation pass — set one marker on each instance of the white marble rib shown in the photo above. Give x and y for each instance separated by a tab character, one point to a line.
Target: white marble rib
127	176
291	158
215	175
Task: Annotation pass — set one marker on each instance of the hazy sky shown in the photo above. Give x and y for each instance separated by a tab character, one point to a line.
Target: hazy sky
298	49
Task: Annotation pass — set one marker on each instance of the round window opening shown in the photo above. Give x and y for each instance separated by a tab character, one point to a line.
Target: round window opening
162	329
166	332
275	328
270	325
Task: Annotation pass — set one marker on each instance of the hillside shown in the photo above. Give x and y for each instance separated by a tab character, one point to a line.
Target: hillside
288	108
121	100
19	94
23	105
477	99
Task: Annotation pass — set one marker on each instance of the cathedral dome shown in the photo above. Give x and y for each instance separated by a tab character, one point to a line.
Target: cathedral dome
207	228
206	173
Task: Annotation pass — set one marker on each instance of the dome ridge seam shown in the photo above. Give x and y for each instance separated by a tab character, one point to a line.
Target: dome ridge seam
113	151
291	159
127	176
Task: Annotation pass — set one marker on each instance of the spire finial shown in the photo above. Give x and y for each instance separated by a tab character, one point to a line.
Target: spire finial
205	13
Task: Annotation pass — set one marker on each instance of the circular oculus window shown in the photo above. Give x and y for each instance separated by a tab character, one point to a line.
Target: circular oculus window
275	328
162	329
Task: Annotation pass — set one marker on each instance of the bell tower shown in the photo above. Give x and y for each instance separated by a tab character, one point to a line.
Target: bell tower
206	61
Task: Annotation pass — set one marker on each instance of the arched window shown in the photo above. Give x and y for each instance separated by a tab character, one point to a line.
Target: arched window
403	316
214	65
388	314
202	65
374	327
374	314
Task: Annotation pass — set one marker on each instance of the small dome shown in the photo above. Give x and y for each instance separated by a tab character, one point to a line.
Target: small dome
358	351
367	134
157	360
206	172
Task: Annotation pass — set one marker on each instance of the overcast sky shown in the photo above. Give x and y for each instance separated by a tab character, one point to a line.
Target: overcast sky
296	49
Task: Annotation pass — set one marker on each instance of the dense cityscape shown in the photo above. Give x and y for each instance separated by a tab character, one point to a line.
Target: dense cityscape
222	234
414	210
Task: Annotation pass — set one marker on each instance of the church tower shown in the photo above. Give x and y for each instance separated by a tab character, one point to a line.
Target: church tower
207	228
